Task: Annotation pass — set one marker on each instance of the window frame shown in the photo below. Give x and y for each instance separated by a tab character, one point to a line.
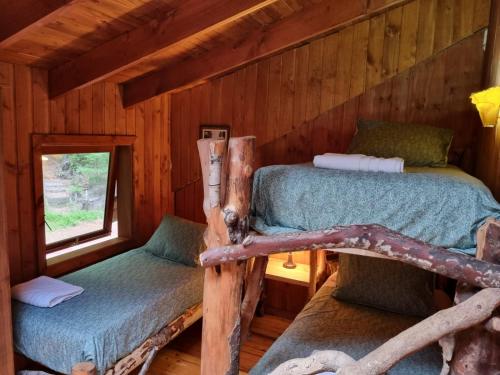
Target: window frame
71	144
110	183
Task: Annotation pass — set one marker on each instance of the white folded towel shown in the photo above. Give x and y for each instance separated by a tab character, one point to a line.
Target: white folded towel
358	162
45	291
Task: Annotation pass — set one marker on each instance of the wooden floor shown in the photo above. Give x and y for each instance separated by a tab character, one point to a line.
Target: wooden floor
182	356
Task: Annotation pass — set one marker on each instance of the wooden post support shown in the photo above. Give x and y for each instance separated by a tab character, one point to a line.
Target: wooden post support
84	368
477	350
226	206
255	285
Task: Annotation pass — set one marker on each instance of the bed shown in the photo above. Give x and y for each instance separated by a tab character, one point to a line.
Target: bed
443	206
327	323
127	299
414	217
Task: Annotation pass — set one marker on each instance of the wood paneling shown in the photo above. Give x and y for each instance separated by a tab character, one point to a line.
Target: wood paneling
488	161
6	347
88	24
306	100
79	26
191	18
26	109
315	19
18	17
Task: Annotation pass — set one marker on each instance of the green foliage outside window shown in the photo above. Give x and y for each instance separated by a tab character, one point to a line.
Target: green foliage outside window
75	188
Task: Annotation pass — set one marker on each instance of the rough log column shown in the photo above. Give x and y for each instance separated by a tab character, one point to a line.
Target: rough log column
226	206
477	350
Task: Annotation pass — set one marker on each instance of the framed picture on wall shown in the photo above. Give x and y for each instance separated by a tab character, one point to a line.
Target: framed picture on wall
214	132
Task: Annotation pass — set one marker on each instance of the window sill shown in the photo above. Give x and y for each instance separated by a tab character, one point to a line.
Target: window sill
65	261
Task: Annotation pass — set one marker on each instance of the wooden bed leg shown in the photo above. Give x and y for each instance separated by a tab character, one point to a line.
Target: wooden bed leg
226	207
84	368
255	285
477	350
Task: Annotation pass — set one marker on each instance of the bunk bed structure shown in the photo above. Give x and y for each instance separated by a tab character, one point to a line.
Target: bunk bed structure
235	265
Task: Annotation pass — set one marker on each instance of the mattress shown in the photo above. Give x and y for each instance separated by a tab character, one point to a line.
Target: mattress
442	206
328	324
127	299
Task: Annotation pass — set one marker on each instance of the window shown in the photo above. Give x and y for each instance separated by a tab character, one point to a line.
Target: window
78	194
77	181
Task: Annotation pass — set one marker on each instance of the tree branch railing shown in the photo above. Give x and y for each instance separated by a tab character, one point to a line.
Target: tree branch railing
442	326
372	238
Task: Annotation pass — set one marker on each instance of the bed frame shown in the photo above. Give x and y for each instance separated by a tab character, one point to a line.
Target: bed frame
146	352
235	265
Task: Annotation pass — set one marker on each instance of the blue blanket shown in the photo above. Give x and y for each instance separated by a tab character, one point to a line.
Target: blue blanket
326	323
442	206
127	299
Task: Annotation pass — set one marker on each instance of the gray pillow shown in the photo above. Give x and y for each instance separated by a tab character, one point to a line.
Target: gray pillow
385	284
178	240
418	145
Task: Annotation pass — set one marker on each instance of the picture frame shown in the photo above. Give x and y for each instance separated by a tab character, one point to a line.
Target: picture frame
208	131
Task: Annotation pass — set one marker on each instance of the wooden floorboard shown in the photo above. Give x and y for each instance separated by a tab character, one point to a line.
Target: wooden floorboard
182	356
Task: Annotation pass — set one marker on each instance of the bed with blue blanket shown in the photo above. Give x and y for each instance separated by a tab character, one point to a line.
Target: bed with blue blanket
326	323
127	299
440	205
443	206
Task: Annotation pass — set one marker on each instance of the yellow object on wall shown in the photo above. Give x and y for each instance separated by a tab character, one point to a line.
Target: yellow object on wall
487	103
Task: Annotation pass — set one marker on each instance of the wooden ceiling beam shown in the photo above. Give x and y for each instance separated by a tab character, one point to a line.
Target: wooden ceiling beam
313	20
19	17
191	18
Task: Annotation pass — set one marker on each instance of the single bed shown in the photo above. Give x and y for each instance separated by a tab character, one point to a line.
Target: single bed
327	323
127	299
443	206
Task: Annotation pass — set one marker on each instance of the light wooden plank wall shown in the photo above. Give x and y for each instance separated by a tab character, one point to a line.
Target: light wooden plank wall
6	347
96	109
488	161
414	63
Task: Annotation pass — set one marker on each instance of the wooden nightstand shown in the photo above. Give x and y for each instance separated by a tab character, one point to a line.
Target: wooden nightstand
288	290
299	275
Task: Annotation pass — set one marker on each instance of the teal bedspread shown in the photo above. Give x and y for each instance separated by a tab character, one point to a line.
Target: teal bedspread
442	206
326	323
127	299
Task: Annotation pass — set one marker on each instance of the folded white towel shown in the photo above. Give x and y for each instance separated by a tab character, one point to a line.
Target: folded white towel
358	162
45	291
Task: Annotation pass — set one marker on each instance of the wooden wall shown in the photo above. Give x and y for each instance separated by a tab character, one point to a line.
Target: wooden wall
414	63
6	347
97	109
488	161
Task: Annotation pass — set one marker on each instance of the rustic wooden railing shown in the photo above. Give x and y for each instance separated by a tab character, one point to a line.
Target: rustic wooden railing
467	332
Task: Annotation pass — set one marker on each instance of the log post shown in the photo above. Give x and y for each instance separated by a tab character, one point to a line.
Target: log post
226	206
84	368
477	350
255	285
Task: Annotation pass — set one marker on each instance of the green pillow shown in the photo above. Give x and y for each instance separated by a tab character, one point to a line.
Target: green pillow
385	284
418	145
178	240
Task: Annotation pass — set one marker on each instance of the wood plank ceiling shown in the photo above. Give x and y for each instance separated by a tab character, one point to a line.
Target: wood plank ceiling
156	46
75	30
